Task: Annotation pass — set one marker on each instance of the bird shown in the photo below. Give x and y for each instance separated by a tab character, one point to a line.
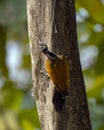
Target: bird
57	68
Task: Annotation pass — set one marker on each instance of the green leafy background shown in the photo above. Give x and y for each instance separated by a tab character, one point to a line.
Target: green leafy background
17	105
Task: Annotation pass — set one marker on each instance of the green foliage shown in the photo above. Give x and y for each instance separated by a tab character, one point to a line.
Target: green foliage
28	119
12	12
95	9
91	35
11	96
97	89
17	106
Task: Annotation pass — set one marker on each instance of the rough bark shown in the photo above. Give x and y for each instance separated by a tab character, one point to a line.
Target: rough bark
57	27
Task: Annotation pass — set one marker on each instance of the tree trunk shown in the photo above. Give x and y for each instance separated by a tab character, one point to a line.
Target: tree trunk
56	22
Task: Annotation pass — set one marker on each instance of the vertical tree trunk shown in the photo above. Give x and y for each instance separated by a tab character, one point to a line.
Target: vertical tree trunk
57	27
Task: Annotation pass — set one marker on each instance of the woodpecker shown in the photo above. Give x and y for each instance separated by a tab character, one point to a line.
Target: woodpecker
58	70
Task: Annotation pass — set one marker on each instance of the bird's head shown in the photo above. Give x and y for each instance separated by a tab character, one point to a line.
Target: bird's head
43	48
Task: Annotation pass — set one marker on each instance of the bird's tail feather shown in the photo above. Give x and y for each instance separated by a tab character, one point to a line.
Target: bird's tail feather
58	100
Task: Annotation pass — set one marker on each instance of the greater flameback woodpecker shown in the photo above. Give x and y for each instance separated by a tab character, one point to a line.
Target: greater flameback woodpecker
58	69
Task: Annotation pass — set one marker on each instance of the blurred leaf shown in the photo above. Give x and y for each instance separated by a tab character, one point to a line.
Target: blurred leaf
83	31
96	38
3	66
8	120
28	116
12	11
2	124
96	113
96	90
26	61
101	127
95	9
100	62
11	96
13	16
27	125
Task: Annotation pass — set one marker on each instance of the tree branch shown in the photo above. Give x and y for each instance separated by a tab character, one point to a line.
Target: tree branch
57	27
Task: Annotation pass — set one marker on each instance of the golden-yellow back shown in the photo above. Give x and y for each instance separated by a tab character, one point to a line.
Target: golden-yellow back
58	71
